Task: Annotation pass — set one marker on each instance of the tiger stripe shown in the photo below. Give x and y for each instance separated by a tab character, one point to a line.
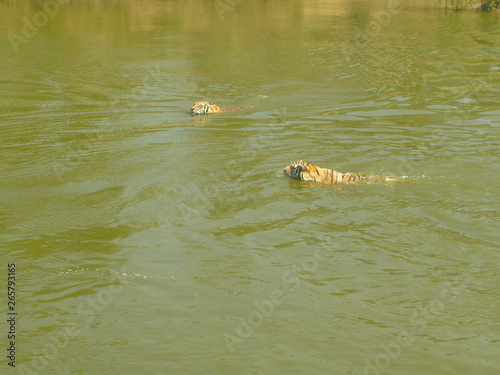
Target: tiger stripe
201	108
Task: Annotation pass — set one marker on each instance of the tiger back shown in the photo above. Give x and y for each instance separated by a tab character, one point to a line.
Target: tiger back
201	108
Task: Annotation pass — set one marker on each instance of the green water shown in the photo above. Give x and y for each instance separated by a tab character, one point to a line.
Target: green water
151	241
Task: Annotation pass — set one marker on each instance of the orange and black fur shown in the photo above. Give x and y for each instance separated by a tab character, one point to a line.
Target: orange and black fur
201	108
305	171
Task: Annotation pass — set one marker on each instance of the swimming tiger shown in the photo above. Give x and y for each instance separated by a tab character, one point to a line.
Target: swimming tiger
200	108
302	170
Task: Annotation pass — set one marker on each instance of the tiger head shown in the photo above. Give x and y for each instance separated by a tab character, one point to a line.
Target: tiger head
301	170
200	108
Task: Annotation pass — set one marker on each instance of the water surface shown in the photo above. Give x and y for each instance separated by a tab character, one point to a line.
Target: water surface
148	240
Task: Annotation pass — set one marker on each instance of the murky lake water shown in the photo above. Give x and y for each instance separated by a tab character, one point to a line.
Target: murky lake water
151	241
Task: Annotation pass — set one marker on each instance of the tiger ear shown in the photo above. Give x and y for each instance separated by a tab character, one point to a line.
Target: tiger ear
301	167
